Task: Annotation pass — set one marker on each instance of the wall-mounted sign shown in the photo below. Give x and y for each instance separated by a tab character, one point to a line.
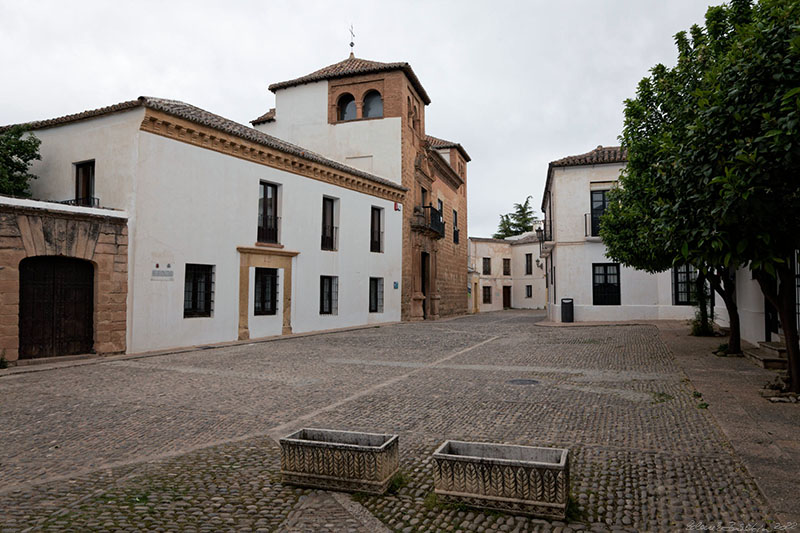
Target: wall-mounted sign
163	272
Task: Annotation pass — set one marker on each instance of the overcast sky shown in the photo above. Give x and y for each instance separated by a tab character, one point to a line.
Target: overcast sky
518	84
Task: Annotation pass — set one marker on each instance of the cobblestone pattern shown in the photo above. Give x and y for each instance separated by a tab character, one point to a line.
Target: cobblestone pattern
643	455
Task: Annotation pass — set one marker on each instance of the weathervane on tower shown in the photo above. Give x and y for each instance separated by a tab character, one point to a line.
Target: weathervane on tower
352	41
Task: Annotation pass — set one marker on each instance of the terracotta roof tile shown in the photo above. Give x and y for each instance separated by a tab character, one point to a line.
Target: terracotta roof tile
598	156
200	116
437	143
353	66
269	116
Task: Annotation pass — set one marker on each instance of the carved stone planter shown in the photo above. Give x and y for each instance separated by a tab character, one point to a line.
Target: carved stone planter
339	460
515	479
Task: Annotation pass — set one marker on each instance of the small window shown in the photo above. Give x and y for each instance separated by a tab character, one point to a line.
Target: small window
329	229
376	295
506	267
683	285
84	184
328	295
346	108
266	291
198	291
455	218
440	206
599	204
373	105
528	264
487	266
487	295
376	230
268	213
528	291
605	284
423	196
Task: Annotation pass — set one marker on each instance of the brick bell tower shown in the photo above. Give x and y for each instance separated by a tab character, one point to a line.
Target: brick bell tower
358	92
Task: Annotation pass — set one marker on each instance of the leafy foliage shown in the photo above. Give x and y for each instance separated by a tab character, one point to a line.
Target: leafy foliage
519	221
18	150
713	151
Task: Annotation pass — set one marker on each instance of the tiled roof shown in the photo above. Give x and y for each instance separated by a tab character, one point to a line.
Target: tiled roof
489	239
205	118
438	143
353	66
598	156
269	116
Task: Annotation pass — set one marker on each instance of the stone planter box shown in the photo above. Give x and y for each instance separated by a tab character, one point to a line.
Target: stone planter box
514	479
339	460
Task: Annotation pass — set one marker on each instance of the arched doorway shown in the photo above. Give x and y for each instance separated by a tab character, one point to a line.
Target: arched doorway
56	306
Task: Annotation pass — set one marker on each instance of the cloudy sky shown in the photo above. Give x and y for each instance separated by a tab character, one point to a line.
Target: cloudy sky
519	84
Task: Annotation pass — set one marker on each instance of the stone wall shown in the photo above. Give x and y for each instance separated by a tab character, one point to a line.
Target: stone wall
82	234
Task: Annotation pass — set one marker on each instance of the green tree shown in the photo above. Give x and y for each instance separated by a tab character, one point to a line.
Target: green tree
714	146
519	221
18	149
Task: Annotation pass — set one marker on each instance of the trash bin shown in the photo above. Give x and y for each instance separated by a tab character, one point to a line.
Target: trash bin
567	313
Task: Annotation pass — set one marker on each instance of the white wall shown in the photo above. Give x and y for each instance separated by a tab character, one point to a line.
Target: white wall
109	140
520	280
643	296
750	302
497	251
301	117
196	206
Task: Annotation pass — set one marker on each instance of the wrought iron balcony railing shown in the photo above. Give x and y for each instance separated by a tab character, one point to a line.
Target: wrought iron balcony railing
329	237
428	219
89	201
268	229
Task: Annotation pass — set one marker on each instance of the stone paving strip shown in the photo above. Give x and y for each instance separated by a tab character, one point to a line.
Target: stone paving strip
186	442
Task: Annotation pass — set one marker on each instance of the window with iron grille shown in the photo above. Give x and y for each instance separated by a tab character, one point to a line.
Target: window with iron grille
328	295
376	230
599	204
506	267
376	295
268	213
487	266
605	284
328	224
266	287
198	291
528	264
455	226
487	295
528	291
683	285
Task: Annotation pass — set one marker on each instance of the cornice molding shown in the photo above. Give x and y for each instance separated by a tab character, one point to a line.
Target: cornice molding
178	129
444	170
266	251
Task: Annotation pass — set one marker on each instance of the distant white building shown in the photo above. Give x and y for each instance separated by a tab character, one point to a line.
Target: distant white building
506	273
575	257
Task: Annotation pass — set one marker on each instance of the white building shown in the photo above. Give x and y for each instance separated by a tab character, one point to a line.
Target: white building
232	233
575	257
506	273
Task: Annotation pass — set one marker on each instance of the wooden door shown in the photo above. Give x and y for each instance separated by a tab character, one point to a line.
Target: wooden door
56	304
506	297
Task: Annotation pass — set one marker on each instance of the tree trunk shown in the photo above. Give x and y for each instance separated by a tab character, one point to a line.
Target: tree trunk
724	282
784	301
702	327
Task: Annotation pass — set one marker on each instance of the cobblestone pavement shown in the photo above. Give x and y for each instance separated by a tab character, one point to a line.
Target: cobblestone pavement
186	442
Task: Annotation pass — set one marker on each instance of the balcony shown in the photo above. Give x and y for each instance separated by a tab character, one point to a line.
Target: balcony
591	224
329	237
545	235
89	201
268	229
428	220
376	241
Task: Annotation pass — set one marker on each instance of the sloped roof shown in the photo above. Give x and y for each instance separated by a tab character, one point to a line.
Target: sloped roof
269	116
205	118
353	66
598	156
437	143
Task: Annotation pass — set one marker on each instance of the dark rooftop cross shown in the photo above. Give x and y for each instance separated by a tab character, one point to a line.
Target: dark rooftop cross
352	40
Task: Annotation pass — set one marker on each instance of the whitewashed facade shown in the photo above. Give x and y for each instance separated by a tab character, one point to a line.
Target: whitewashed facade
575	256
506	273
190	183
